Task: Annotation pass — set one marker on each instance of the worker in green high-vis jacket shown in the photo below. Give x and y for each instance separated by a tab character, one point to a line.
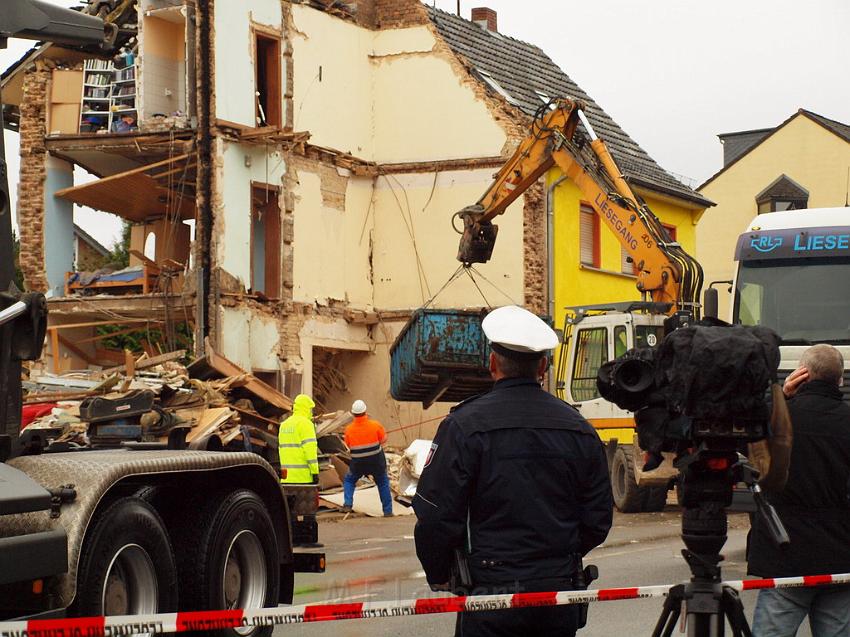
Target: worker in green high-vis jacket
298	448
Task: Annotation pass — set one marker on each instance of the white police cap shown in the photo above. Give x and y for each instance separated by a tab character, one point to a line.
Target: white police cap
518	330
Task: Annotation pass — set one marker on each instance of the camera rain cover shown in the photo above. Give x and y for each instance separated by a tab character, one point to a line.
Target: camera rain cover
718	373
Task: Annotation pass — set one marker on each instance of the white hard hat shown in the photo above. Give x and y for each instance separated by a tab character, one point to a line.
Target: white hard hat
358	407
518	330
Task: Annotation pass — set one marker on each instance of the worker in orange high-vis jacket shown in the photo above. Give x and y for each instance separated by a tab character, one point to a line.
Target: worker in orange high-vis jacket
365	438
298	446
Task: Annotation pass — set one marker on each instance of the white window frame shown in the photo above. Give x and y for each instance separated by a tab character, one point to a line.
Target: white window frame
492	83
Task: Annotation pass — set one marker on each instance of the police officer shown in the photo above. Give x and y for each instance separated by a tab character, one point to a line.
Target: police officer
518	480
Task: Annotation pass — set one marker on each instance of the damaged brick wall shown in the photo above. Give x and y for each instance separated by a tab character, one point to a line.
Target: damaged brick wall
333	185
396	14
290	179
535	260
33	176
373	14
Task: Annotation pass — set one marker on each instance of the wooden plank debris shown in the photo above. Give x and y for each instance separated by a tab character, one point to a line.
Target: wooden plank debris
215	364
148	362
209	421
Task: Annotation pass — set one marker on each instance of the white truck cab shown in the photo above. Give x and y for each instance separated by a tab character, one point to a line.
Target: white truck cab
793	276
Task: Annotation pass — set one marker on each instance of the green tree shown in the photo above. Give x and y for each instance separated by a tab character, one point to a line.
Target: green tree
16	251
119	257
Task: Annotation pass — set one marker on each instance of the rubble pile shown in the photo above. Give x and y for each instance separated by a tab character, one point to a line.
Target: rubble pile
211	404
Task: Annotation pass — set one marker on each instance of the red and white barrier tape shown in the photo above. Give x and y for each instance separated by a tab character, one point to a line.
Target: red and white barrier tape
214	620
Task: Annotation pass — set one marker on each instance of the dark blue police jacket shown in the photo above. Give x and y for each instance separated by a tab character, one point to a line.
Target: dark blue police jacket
522	478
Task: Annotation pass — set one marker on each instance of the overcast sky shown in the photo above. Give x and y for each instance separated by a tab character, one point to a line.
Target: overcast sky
672	73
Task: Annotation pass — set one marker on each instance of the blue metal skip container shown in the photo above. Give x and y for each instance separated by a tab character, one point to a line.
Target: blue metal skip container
440	355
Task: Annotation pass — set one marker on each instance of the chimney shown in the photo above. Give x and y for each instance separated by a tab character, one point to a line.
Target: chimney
485	18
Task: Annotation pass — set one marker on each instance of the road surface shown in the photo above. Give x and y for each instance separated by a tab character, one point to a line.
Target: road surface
375	559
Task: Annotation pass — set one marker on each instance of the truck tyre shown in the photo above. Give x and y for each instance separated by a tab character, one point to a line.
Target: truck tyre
127	565
228	559
627	495
654	498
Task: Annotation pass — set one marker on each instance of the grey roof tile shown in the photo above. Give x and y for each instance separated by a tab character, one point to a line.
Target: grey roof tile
522	68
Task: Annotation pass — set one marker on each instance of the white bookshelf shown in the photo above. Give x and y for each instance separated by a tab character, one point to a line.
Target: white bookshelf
108	93
95	107
124	93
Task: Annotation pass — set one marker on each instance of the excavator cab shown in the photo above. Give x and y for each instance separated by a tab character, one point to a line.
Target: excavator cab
593	335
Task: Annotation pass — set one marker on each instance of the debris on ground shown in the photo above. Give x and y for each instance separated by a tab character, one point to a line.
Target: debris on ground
368	501
156	402
211	404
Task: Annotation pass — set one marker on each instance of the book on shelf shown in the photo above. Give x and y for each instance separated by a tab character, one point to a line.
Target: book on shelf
97	65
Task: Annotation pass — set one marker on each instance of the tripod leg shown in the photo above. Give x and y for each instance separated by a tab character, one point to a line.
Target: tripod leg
670	614
734	610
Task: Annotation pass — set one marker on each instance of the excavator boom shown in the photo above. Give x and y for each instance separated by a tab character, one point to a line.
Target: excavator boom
664	270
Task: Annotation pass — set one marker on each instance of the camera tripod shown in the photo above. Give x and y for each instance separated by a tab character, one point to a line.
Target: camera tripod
707	478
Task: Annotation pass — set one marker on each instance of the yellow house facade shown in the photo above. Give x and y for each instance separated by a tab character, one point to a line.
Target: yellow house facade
583	279
802	163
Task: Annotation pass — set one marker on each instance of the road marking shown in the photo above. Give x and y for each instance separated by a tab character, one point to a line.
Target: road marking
350	598
626	552
376	548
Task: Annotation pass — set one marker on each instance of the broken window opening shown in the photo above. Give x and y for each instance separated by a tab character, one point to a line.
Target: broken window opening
267	81
329	379
265	240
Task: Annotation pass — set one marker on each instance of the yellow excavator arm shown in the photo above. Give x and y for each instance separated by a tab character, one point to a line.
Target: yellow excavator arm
665	271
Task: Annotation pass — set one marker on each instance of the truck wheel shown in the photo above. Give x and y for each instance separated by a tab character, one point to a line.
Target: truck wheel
127	565
228	559
627	495
654	498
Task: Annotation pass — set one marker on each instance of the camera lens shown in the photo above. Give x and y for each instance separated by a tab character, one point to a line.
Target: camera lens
633	376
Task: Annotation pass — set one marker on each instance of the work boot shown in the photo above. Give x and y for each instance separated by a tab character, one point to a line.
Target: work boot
346	509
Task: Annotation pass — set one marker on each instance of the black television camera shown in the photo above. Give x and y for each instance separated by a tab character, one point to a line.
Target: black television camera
703	382
702	394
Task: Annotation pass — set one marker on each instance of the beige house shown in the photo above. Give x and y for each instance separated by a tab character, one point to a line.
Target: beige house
802	163
292	181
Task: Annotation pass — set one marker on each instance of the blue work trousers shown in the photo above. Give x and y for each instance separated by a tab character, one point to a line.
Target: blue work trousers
779	612
382	482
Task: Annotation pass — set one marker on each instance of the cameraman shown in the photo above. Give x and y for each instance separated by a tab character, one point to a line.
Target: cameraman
813	506
518	481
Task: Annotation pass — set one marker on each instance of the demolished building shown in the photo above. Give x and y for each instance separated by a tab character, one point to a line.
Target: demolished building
290	170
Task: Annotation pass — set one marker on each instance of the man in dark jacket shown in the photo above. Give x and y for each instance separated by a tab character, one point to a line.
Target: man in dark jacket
518	480
813	506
